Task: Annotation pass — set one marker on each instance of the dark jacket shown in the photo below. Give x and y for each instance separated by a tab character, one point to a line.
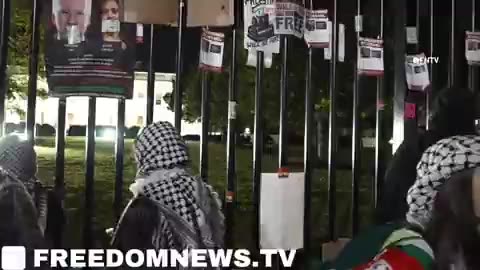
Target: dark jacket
453	113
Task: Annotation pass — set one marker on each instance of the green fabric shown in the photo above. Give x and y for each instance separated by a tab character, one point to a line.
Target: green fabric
419	254
364	247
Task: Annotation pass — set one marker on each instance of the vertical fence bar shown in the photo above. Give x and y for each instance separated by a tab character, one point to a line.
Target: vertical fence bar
60	162
151	78
5	9
119	161
332	132
356	164
429	93
182	21
33	69
472	70
451	64
205	125
379	165
90	174
232	132
282	140
258	147
308	152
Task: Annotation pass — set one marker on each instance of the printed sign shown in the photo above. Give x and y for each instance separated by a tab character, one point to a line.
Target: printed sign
281	211
289	19
326	51
412	35
89	52
370	57
139	33
211	51
416	73
316	28
472	48
260	26
341	42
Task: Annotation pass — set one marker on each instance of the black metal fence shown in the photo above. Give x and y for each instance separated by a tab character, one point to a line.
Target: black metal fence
393	14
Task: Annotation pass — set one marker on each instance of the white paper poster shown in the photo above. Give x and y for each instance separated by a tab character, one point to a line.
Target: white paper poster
341	42
316	32
252	59
412	35
282	211
211	51
139	33
370	57
416	72
472	48
326	51
289	19
259	26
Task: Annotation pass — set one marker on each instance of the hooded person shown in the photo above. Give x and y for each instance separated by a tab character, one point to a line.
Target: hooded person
171	209
409	245
23	201
453	113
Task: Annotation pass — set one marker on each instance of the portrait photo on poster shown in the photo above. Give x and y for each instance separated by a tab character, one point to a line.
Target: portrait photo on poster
88	51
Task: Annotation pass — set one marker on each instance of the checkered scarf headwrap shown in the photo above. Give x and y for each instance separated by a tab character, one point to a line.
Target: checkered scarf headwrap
190	210
437	164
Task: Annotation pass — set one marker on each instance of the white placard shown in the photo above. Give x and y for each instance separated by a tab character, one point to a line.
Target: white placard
289	19
110	26
139	33
232	110
358	23
326	52
316	28
341	42
472	48
282	211
252	59
211	51
412	35
370	57
259	26
416	72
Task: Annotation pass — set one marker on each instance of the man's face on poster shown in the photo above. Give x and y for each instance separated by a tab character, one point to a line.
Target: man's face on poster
72	13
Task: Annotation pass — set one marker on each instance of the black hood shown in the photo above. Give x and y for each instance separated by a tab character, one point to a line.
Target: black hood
453	112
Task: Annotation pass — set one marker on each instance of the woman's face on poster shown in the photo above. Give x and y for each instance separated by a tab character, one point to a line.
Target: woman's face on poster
110	10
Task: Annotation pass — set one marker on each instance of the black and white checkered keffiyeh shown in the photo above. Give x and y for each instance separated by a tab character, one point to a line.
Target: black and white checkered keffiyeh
437	164
190	210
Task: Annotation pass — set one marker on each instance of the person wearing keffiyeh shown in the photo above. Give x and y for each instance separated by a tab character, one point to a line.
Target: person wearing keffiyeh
23	200
171	208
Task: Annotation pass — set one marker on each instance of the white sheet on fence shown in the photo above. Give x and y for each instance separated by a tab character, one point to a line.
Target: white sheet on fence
281	211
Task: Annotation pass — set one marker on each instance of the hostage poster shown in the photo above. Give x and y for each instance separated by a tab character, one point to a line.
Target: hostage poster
472	48
211	51
370	57
259	26
289	18
317	34
88	51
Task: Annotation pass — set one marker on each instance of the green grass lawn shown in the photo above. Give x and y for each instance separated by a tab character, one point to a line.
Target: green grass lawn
105	177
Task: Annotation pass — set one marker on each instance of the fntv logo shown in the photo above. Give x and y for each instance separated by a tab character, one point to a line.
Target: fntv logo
426	60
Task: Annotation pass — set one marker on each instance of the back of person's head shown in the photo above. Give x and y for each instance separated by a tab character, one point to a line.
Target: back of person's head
453	231
438	163
19	160
160	146
453	112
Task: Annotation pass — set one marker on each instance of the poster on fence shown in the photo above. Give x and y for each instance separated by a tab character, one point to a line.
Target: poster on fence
327	54
252	59
316	28
88	51
289	18
213	13
211	51
259	26
370	57
282	211
416	72
472	48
